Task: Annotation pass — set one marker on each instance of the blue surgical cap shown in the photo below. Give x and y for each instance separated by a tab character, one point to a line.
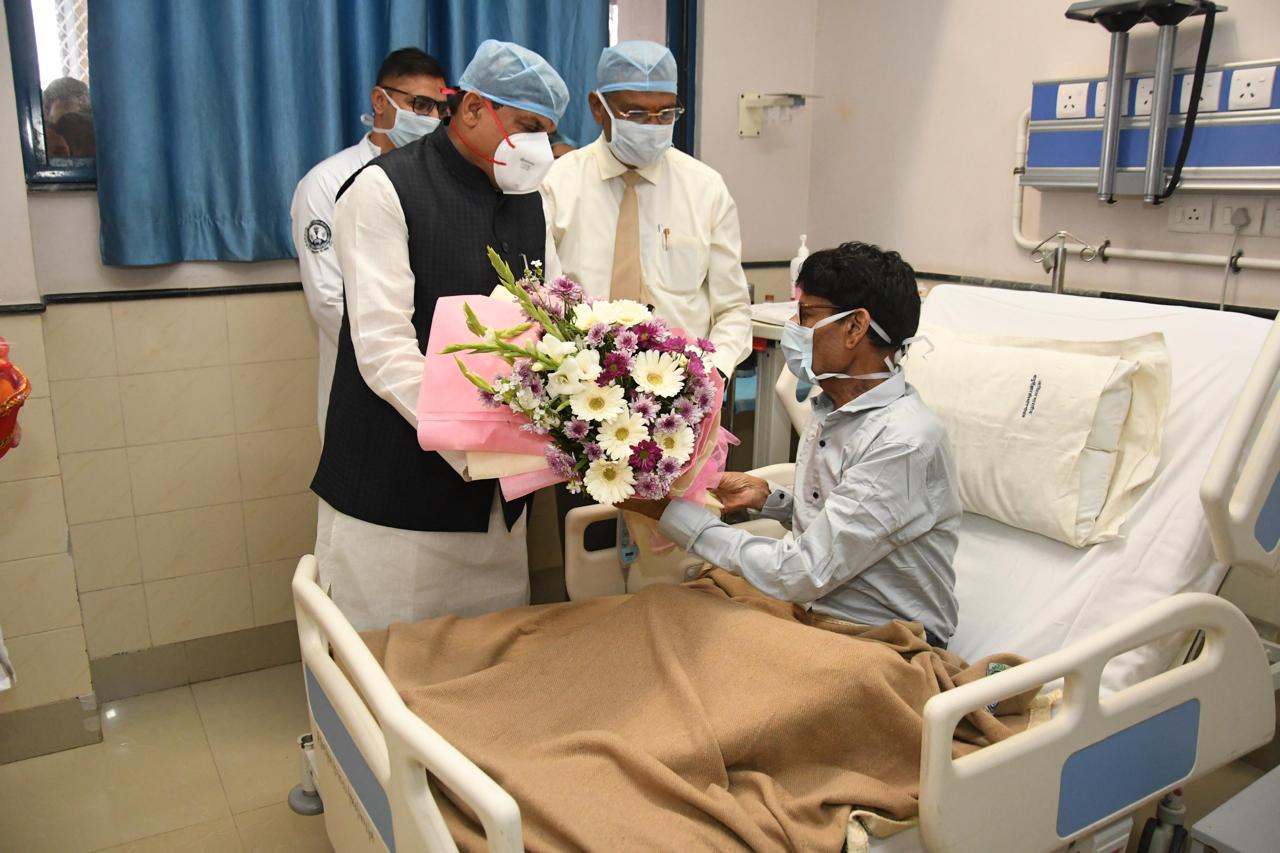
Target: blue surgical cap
516	76
636	66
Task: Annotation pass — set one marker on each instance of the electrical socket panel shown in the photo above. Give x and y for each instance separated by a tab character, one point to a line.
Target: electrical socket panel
1224	206
1100	99
1251	88
1210	92
1271	218
1073	100
1144	96
1191	217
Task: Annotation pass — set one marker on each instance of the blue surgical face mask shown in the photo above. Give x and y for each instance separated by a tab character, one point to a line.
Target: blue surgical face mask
797	349
408	127
636	144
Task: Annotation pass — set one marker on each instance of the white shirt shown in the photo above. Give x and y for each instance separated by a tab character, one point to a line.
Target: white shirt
690	245
312	213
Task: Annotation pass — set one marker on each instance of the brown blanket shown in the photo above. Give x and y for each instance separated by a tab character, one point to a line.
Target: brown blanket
697	717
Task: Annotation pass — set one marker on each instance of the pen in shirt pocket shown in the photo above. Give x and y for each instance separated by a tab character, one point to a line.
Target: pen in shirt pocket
665	234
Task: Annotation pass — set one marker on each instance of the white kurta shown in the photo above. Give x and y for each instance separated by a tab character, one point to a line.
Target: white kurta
312	214
378	575
690	245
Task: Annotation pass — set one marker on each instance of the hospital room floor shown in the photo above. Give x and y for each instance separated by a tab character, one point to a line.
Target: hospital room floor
201	769
207	769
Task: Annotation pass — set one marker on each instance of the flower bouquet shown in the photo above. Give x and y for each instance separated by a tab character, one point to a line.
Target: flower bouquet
612	400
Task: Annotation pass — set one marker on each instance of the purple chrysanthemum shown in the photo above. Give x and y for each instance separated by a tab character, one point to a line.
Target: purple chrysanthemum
673	343
668	423
705	400
615	366
649	335
695	367
595	335
576	429
645	406
560	463
489	399
592	451
522	370
705	345
685	408
645	455
650	487
626	341
668	467
566	288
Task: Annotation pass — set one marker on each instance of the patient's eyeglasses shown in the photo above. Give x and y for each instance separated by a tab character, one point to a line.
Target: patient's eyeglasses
421	104
814	311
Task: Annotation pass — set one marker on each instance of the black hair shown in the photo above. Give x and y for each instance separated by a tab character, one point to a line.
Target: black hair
67	89
409	62
860	275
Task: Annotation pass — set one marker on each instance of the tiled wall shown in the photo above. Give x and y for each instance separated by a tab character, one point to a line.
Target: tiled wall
186	435
39	612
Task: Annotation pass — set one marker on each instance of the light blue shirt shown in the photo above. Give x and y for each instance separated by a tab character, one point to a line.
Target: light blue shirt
873	517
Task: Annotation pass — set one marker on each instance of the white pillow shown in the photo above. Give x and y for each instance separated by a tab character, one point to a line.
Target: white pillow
1054	437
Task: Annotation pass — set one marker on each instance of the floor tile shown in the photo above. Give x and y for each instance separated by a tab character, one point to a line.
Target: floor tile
152	773
278	829
253	722
215	836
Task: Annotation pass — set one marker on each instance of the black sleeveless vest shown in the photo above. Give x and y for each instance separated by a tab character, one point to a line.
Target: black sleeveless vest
371	467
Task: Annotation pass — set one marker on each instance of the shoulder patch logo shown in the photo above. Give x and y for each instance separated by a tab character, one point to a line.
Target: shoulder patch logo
319	237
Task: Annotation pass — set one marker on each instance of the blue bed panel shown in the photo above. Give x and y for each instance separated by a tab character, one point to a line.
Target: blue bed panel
1115	773
1267	528
351	760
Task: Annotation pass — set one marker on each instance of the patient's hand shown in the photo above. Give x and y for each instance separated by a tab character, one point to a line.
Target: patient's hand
741	491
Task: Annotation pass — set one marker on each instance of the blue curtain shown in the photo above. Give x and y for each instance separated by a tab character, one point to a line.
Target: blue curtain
207	112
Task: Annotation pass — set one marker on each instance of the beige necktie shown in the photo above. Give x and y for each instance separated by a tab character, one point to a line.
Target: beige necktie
626	283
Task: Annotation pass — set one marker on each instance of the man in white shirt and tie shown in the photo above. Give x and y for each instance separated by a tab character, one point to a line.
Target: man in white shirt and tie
633	218
407	104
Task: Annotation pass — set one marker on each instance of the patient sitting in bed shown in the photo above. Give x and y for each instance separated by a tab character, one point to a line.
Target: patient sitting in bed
874	513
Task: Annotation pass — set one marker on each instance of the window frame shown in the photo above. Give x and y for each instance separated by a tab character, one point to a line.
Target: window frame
682	41
30	102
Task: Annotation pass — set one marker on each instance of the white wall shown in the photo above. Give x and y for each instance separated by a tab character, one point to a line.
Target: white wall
759	46
642	19
913	145
18	283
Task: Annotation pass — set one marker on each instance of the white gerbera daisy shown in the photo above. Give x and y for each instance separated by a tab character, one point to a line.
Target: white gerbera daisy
658	373
619	435
554	349
597	403
676	443
609	481
628	312
585	316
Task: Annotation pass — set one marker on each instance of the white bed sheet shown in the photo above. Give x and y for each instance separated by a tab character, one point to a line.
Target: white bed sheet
1024	593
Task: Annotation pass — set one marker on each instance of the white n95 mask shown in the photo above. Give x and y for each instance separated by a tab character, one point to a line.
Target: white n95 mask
797	349
521	161
636	144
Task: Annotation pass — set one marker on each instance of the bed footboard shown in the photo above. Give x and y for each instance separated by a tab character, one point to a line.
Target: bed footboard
1098	758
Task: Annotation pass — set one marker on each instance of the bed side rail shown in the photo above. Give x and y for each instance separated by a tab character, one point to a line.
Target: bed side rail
398	745
1096	759
592	574
1241	490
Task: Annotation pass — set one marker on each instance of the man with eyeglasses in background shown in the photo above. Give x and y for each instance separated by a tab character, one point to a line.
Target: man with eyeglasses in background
633	218
408	103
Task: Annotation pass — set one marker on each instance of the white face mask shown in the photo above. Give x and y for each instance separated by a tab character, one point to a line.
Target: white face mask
520	166
408	126
636	144
797	349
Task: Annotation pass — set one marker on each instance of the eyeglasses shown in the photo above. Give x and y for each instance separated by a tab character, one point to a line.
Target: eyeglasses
420	104
663	116
805	313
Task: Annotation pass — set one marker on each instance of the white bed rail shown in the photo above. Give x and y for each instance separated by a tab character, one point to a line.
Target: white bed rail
1238	488
396	743
1222	700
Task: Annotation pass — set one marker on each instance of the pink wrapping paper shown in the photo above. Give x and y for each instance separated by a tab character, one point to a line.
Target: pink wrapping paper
450	414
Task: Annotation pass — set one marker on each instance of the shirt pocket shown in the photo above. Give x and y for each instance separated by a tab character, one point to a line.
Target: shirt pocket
683	261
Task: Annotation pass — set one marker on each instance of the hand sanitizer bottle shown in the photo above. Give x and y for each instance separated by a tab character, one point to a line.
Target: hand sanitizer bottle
796	263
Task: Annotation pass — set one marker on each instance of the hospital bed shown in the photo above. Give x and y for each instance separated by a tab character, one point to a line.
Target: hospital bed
1109	623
